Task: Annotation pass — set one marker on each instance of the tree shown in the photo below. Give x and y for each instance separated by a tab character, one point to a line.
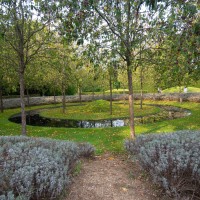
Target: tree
62	63
23	24
8	81
111	63
120	22
95	66
2	72
179	60
112	68
79	73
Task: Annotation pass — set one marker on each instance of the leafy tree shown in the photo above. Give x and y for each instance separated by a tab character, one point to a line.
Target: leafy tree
119	23
111	62
79	72
2	72
112	68
62	62
8	81
93	55
23	22
179	60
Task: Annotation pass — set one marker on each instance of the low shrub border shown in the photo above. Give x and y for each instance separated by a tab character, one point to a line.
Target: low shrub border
37	168
173	160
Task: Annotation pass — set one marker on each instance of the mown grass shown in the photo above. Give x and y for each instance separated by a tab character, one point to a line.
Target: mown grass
114	91
97	110
104	139
117	90
177	90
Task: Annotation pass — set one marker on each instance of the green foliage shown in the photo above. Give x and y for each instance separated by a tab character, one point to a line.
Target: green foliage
71	90
177	60
173	160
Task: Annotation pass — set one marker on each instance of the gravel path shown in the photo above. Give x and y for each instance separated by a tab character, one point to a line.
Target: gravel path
109	177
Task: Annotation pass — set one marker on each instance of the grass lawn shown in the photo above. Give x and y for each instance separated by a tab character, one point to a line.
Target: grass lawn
117	90
176	89
104	139
114	91
99	110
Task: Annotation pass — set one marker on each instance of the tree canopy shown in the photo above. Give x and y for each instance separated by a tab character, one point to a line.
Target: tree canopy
154	41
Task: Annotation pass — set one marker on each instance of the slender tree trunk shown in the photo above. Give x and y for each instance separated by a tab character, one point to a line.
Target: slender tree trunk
64	77
129	70
141	89
180	95
141	80
28	97
63	98
54	96
22	64
79	93
103	94
93	93
22	99
154	96
141	99
1	98
131	100
110	84
124	95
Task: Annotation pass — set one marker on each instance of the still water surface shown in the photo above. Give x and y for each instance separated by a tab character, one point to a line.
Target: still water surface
33	118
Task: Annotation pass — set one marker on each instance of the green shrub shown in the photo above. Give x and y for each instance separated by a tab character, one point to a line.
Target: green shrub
33	168
173	160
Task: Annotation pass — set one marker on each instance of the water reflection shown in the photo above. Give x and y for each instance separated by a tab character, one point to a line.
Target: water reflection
33	118
102	123
37	120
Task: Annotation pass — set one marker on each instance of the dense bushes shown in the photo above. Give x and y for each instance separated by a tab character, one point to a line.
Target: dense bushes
37	168
173	160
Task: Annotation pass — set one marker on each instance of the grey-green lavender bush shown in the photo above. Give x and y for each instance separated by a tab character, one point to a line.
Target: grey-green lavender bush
172	159
33	168
86	149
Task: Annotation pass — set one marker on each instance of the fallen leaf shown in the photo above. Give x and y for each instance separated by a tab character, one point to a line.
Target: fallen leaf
124	189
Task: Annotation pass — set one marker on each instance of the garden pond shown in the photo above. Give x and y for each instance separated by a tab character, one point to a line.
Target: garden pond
34	118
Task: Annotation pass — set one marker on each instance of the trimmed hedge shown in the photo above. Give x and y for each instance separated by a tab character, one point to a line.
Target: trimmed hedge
37	168
172	159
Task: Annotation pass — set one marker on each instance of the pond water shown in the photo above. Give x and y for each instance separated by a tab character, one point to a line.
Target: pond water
33	118
37	120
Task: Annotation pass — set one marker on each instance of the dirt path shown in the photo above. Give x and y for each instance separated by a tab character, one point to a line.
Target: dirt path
111	177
